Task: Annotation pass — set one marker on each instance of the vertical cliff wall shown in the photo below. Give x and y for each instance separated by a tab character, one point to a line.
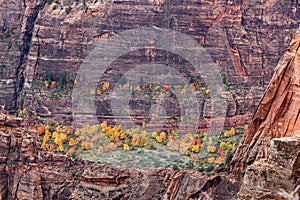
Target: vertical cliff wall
47	41
11	42
17	25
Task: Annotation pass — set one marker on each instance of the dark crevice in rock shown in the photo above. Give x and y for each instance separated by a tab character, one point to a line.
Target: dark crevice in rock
208	185
28	26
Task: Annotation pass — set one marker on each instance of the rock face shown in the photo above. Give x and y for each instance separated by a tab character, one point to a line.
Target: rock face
278	113
244	38
264	179
28	172
270	149
17	25
42	41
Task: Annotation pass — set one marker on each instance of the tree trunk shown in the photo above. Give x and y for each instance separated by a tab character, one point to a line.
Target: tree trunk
278	112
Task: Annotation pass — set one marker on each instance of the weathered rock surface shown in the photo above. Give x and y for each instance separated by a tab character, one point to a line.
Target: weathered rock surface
237	35
17	25
244	38
278	113
264	179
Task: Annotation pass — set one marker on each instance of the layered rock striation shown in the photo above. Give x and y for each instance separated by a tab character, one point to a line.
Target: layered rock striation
244	38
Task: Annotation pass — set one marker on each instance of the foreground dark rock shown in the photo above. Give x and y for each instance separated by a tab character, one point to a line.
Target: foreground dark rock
264	179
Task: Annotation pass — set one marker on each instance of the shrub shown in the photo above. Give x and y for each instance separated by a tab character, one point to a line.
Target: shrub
68	9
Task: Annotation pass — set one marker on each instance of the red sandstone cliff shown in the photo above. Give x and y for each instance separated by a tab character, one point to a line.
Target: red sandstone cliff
278	114
240	36
244	38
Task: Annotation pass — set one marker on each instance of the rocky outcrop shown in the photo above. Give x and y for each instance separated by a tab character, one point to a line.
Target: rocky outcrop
278	113
7	124
267	179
